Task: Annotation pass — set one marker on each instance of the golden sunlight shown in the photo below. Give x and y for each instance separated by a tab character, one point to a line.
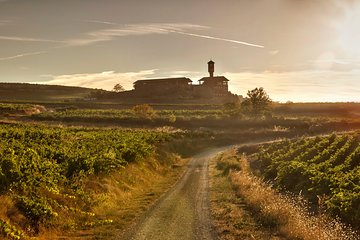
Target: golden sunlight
349	30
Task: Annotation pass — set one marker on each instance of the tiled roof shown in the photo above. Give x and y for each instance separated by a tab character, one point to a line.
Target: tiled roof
217	78
161	80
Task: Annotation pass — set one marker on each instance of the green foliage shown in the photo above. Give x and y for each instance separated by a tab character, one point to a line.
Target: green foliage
225	164
257	102
327	165
40	166
13	107
38	210
172	118
139	113
10	232
19	109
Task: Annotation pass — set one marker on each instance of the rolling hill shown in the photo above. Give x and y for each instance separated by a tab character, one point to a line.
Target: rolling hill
39	92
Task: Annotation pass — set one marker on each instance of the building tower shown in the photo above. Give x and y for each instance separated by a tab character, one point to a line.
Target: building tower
211	68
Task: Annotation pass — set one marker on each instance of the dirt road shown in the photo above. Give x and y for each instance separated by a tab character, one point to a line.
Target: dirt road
183	213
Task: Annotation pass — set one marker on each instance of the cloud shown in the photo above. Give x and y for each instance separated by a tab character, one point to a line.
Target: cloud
103	80
145	29
130	30
22	55
300	86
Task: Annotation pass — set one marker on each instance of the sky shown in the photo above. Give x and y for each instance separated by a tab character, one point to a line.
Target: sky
298	50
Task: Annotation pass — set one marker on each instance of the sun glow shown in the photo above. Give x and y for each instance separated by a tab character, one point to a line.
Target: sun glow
349	30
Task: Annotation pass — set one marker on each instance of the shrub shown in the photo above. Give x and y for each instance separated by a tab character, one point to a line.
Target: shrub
144	111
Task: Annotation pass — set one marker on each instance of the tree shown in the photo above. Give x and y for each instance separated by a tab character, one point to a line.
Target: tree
257	102
118	88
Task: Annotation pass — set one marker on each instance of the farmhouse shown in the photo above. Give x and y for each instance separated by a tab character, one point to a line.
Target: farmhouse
209	89
166	87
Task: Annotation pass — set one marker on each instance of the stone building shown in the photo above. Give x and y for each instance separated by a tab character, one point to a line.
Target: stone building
171	87
209	89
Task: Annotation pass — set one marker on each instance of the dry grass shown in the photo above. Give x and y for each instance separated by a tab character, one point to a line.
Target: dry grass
8	211
122	197
231	217
5	203
288	215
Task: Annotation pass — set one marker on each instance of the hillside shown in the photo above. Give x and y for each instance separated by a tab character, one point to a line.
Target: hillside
39	92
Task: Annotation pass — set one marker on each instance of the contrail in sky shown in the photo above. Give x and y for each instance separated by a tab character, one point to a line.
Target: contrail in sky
165	30
220	39
22	55
25	39
101	22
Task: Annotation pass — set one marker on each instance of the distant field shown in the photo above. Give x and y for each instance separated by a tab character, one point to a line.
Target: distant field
55	97
38	92
186	116
351	110
128	114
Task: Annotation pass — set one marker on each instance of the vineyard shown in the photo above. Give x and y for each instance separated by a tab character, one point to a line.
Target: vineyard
43	172
325	170
19	109
113	115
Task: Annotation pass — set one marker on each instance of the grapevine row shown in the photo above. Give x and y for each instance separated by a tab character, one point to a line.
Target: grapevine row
42	169
321	166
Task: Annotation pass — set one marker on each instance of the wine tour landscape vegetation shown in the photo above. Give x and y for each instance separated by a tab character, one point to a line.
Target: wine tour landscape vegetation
69	170
179	120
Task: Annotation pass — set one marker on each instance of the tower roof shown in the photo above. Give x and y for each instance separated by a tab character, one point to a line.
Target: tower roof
163	80
211	61
214	79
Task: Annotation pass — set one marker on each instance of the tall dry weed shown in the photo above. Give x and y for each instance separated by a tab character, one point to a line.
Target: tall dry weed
288	214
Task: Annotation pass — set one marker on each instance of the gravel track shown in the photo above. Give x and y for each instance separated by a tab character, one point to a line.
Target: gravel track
183	212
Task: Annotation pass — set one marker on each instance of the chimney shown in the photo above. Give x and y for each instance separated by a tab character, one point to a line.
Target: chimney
211	68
